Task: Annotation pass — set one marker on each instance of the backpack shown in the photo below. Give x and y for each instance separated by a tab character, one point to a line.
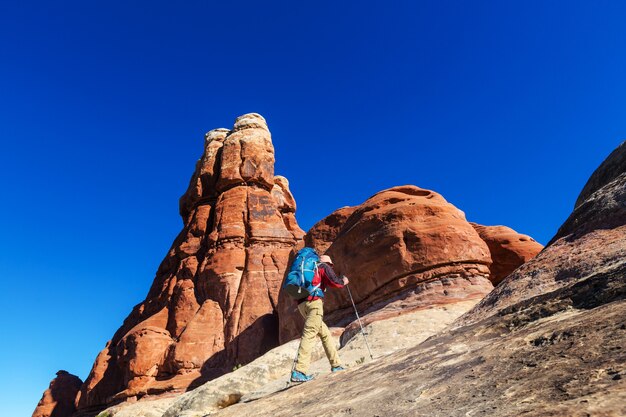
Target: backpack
299	281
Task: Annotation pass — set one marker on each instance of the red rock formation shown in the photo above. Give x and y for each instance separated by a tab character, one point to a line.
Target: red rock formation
324	232
58	399
404	248
213	299
508	248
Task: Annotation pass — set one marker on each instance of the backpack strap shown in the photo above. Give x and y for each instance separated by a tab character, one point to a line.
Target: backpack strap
315	272
315	288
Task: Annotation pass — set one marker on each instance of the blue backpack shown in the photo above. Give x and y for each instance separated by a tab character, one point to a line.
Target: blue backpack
298	283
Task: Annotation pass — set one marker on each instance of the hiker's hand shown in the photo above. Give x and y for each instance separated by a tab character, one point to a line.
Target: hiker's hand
345	280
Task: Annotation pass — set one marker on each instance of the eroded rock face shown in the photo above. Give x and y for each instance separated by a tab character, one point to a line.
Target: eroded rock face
58	400
403	249
212	302
324	232
508	248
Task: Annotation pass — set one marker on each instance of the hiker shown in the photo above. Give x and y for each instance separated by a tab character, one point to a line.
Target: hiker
312	309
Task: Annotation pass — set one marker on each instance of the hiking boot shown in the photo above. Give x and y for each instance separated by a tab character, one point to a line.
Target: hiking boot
337	369
300	377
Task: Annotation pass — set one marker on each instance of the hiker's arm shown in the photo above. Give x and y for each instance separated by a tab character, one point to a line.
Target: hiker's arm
331	278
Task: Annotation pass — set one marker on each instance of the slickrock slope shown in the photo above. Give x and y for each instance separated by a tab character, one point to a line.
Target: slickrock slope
592	239
269	373
508	248
58	399
548	341
212	302
613	167
405	248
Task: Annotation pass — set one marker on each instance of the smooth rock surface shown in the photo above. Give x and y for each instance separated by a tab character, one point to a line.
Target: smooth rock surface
508	249
145	408
269	373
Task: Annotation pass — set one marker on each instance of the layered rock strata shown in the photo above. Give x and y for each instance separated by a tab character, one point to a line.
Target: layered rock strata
212	303
404	248
58	399
508	249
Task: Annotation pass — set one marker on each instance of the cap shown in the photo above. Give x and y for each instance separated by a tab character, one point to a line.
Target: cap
326	259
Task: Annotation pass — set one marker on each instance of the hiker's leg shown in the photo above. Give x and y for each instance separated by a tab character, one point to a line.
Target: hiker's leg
329	346
313	319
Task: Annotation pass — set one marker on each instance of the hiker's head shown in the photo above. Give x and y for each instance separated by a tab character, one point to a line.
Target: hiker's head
326	259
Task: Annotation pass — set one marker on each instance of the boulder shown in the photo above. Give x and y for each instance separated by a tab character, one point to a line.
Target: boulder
508	249
405	248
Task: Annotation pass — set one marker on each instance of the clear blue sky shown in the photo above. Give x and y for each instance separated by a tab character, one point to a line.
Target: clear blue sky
503	107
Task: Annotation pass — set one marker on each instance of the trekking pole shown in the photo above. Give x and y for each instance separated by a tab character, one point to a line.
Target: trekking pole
360	324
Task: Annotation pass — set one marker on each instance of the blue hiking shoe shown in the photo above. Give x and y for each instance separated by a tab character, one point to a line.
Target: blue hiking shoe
300	377
337	369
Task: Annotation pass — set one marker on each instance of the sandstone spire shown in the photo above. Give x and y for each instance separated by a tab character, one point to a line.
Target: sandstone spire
212	302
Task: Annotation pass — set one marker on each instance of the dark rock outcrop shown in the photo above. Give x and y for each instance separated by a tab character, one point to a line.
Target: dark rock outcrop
58	399
593	238
613	167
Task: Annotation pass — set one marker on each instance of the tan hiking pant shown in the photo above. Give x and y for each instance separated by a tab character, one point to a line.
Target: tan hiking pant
313	313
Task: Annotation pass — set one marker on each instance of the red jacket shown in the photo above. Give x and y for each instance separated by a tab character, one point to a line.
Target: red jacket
325	276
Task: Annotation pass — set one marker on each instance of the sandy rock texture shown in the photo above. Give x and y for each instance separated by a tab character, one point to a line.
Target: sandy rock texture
212	303
324	232
613	167
591	240
548	341
508	249
405	248
268	374
58	399
150	407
